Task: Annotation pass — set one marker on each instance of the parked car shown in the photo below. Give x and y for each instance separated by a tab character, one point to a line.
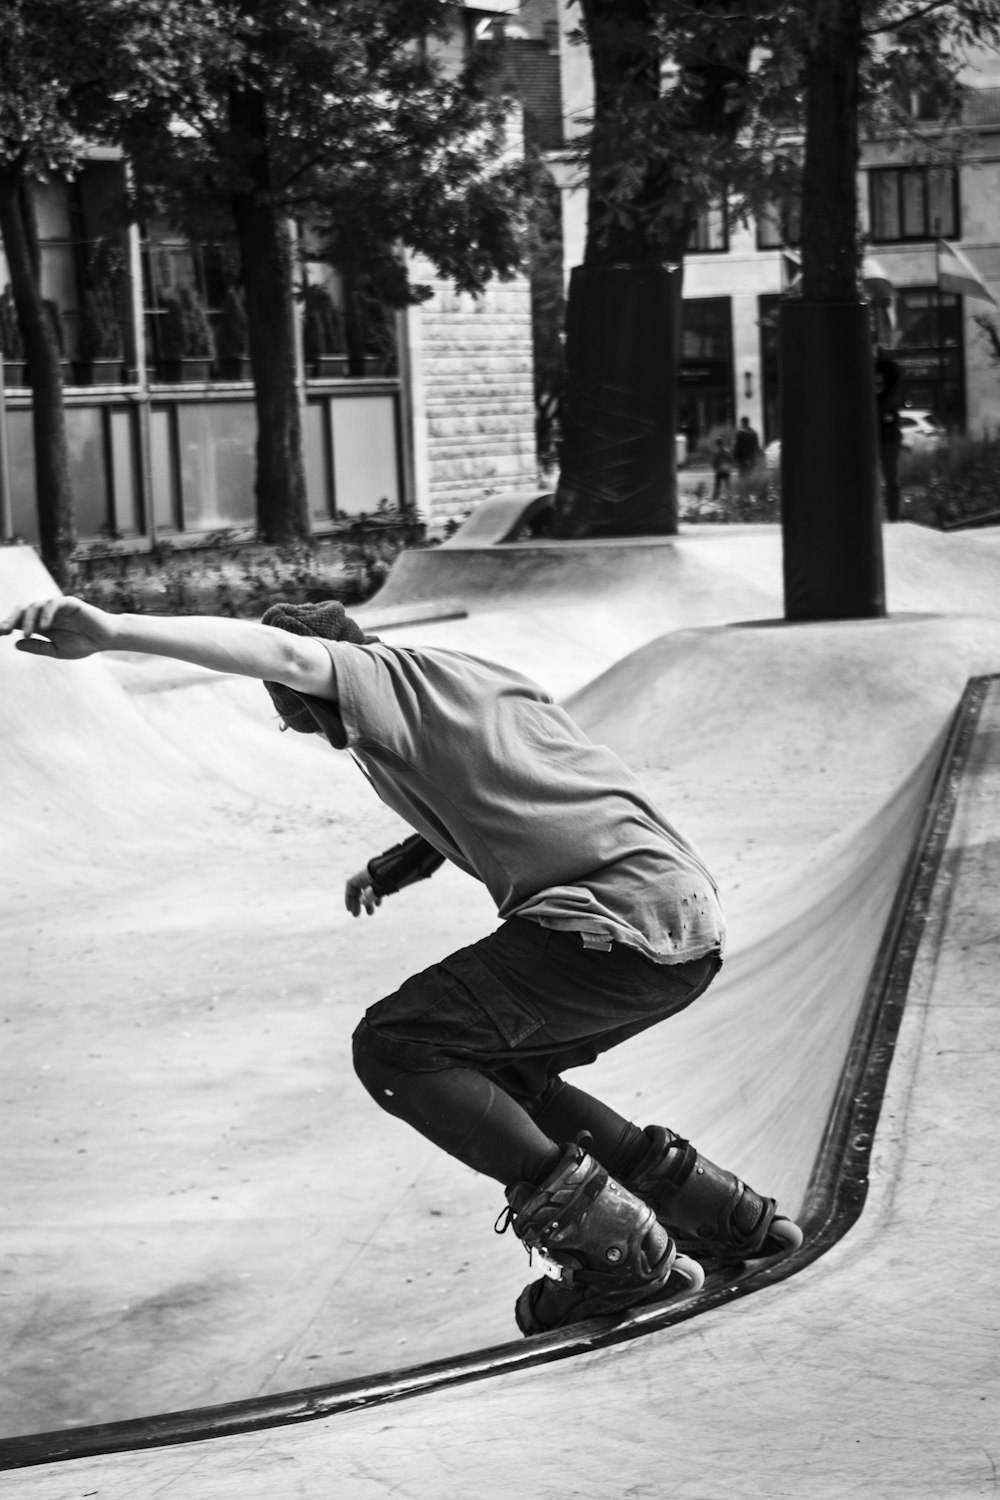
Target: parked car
921	432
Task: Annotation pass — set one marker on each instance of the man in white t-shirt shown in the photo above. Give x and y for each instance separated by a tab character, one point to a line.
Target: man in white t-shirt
610	923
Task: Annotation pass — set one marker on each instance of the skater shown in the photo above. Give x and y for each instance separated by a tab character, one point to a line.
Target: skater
722	464
610	923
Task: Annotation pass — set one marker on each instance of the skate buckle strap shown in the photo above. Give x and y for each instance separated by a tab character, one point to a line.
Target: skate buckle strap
505	1219
596	942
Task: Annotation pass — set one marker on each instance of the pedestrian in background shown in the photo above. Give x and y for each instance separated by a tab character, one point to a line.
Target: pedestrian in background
889	398
722	464
746	448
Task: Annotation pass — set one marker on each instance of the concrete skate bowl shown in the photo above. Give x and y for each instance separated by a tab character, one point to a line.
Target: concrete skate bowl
566	610
802	761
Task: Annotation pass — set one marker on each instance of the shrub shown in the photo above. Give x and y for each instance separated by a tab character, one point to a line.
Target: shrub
323	331
955	483
228	574
753	497
185	330
233	338
100	330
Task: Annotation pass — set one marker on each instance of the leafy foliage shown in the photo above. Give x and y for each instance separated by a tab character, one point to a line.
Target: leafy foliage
706	96
187	333
233	336
367	134
227	574
100	330
323	331
953	485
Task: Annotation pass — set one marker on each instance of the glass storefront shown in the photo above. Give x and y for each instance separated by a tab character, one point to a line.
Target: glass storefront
705	400
201	439
930	349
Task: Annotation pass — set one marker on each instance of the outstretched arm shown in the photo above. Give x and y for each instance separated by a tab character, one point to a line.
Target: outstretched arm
70	629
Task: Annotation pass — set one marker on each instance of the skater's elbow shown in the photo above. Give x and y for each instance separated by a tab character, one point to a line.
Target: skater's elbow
305	667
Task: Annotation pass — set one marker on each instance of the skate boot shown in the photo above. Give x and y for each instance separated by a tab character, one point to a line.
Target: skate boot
609	1251
708	1211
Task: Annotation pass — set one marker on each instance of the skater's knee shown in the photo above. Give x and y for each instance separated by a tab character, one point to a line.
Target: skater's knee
371	1063
384	1062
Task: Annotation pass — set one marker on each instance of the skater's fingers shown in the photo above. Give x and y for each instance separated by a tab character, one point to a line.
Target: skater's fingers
37	617
24	619
47	615
370	900
12	621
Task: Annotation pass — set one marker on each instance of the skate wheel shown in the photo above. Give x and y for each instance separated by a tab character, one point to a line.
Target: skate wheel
691	1271
783	1236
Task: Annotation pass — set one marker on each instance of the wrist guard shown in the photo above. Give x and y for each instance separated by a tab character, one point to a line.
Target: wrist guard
404	864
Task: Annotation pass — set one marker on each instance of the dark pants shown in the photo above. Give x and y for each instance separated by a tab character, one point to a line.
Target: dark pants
888	451
471	1051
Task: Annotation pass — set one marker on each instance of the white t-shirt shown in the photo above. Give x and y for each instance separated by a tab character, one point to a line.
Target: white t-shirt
497	776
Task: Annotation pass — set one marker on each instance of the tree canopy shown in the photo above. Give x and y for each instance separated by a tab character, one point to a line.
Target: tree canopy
372	133
693	99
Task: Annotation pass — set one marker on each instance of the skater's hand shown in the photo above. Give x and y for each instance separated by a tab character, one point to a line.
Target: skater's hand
64	628
359	893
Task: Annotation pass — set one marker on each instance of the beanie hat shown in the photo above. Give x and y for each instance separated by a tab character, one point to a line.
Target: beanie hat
330	621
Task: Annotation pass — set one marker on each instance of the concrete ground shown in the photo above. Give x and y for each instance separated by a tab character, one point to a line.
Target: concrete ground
202	1205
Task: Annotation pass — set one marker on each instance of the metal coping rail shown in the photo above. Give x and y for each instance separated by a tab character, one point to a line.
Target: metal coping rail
834	1198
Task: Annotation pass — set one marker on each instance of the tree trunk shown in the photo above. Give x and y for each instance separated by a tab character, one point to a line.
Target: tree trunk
625	62
832	539
617	463
619	417
56	529
829	243
267	265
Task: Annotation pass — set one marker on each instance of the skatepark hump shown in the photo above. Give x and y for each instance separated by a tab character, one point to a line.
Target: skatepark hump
203	1206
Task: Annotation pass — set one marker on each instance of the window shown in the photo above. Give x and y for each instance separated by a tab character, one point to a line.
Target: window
913	203
779	225
929	350
81	247
711	229
706	332
705	375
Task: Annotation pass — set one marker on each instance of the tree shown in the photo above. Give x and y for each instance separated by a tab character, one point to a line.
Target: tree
58	72
36	139
338	115
671	85
861	62
696	99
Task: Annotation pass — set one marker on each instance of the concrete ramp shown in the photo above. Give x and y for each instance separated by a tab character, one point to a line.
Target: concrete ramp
564	611
205	1209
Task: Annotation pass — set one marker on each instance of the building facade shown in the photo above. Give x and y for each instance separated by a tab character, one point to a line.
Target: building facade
737	272
438	413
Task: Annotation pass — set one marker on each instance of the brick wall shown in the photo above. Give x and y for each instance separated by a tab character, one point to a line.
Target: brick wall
476	397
